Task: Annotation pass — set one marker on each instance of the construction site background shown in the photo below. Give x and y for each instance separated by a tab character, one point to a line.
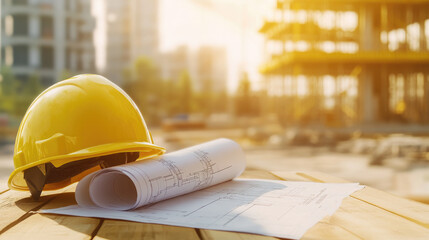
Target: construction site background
343	86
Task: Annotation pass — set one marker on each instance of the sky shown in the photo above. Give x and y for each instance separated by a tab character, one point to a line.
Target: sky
232	24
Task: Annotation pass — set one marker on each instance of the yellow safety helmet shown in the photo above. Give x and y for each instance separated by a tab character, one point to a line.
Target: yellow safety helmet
75	127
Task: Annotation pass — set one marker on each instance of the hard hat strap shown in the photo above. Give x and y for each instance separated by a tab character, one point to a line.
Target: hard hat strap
37	177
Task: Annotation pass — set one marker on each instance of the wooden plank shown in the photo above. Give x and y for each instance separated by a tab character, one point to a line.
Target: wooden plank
52	227
258	174
115	229
321	177
3	187
411	210
41	226
371	222
212	235
290	176
326	230
16	204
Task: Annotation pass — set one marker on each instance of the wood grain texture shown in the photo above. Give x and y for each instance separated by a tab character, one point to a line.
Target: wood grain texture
15	204
3	187
52	227
115	229
49	226
212	235
326	230
290	176
258	174
412	210
371	222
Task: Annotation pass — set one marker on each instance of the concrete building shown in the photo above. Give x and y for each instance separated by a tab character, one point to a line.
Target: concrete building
144	27
47	38
343	63
131	31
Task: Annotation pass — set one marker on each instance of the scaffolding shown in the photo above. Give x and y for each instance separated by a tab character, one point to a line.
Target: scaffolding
341	63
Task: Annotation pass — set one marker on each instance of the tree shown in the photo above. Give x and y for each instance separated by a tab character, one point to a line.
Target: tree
8	86
170	96
66	74
28	92
145	87
220	101
185	93
243	103
15	97
33	87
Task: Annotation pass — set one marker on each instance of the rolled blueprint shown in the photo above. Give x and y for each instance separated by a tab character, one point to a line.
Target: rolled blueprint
133	185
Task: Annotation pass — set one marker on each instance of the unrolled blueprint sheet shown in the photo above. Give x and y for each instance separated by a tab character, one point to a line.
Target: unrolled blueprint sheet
275	208
193	188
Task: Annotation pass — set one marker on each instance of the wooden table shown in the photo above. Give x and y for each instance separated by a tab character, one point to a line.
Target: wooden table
366	214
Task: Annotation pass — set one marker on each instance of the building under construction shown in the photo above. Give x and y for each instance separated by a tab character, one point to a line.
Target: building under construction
347	62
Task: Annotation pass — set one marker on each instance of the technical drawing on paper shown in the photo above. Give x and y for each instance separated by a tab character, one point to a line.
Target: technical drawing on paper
178	175
200	176
275	208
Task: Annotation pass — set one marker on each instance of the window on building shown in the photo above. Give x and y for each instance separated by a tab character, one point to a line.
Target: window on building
47	57
19	2
80	7
47	4
20	25
47	27
20	55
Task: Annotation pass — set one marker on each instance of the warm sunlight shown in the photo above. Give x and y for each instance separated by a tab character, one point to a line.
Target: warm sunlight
232	25
214	119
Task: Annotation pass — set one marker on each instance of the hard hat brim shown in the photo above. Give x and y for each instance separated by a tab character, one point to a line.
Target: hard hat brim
147	150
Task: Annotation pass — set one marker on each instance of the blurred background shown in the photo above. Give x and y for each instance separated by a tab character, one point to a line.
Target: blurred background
338	86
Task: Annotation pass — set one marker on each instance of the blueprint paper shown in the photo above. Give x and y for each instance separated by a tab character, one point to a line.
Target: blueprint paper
193	188
274	208
133	185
